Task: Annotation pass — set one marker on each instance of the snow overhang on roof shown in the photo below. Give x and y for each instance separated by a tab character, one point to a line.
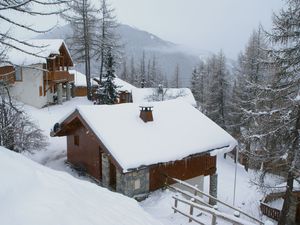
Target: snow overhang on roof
40	49
178	131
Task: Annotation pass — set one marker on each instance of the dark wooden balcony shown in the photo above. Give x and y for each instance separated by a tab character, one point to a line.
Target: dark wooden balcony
59	76
7	74
8	79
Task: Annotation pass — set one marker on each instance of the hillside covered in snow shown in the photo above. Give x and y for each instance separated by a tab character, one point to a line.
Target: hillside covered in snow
35	195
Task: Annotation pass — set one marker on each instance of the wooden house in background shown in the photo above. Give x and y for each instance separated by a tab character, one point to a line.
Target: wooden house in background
132	149
40	79
80	87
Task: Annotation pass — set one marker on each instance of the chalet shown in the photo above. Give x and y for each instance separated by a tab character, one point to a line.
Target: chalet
132	148
41	77
80	87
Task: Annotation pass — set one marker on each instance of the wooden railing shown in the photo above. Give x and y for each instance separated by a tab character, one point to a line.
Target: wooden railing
213	212
269	211
59	76
193	196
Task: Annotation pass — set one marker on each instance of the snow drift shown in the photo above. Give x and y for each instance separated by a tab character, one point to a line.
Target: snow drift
33	194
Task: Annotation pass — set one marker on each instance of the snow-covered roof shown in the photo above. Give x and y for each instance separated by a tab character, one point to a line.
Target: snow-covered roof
80	79
140	95
45	47
51	197
123	85
178	130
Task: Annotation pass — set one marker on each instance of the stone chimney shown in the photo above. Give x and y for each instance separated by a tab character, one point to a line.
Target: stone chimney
146	113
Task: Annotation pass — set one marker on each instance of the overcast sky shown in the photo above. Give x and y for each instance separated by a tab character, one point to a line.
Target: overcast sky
203	24
198	24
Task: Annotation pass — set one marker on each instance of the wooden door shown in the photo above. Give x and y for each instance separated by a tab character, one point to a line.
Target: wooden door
100	164
112	175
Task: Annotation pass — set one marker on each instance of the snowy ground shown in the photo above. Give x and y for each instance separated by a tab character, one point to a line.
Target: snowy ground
33	194
159	203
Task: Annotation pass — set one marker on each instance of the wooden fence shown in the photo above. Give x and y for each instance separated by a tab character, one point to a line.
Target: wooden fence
197	202
269	211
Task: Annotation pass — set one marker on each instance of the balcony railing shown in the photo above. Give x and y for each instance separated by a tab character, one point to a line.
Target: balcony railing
59	76
8	78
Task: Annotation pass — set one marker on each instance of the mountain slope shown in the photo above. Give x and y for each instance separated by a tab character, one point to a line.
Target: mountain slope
136	42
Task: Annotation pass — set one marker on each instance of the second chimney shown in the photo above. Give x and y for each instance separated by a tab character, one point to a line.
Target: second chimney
146	113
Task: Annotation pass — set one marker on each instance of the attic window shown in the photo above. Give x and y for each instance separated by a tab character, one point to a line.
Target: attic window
137	184
76	140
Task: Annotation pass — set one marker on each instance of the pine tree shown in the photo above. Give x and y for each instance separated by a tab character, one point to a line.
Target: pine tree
252	74
176	79
153	80
197	84
107	39
124	73
218	88
107	92
133	79
142	78
280	120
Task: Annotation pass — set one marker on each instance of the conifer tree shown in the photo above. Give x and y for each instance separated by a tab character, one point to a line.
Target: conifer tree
280	119
218	88
107	39
107	92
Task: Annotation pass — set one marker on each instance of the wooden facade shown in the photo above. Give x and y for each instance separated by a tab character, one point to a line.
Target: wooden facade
57	69
84	150
80	91
7	74
184	169
125	97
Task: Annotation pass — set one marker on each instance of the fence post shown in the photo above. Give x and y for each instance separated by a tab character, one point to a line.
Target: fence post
176	203
195	193
191	209
214	219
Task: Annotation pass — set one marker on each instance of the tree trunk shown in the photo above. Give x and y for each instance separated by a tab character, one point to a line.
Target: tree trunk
285	217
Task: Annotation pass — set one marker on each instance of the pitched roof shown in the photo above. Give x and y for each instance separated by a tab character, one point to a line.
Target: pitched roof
41	47
140	95
178	130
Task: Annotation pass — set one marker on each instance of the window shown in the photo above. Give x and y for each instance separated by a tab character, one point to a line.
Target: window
76	140
18	73
137	184
41	90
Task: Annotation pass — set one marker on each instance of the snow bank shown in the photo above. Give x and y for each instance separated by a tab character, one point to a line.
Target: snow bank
178	130
33	194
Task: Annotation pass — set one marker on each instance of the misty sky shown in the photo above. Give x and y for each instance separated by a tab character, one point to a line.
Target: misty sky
203	24
198	24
